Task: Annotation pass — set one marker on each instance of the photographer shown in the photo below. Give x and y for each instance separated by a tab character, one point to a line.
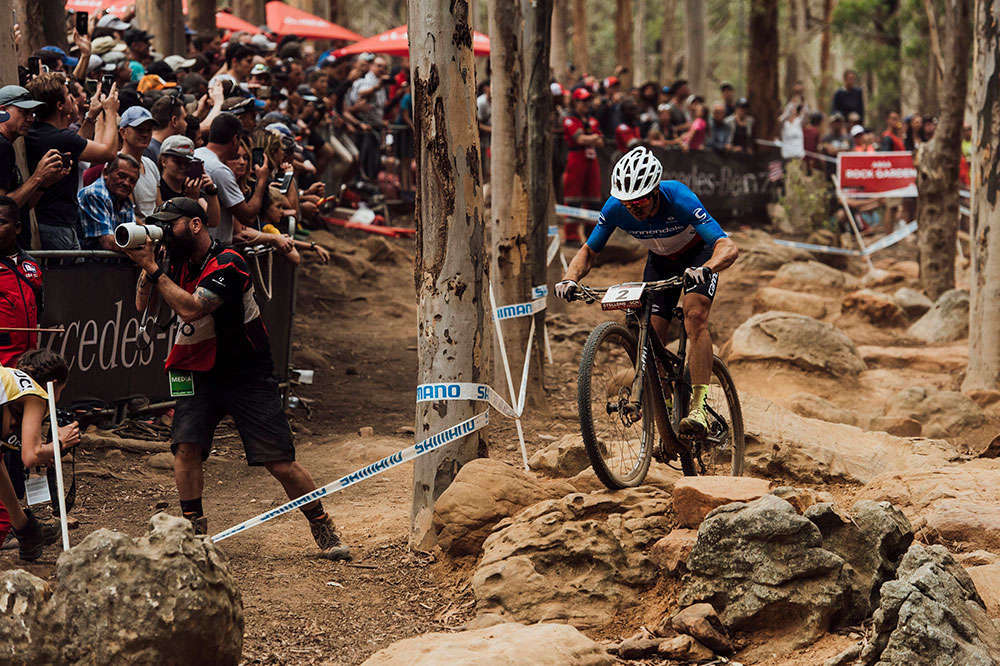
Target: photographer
25	406
222	356
56	210
20	108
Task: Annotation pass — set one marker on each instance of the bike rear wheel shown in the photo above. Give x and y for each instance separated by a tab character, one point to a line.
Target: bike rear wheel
724	450
619	442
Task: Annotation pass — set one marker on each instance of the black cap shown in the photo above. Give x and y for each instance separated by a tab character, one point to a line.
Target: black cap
177	207
137	35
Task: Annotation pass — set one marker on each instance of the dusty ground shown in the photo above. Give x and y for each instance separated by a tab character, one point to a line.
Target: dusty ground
357	331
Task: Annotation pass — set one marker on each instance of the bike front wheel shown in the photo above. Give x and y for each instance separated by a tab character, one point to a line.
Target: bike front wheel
618	437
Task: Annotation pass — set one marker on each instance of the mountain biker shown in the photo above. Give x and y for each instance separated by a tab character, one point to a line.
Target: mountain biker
683	239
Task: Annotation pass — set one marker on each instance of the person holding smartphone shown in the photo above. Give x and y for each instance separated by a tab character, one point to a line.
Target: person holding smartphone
183	175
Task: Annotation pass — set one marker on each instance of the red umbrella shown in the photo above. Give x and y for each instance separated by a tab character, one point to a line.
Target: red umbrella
227	21
286	20
396	42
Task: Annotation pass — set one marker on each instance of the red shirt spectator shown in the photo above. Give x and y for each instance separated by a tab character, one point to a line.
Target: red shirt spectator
624	136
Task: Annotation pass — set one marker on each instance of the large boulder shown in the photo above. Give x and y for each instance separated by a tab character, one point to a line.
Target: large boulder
947	320
913	303
759	252
563	458
987	580
950	358
165	598
763	566
872	539
958	505
580	559
508	644
813	277
696	496
484	492
22	598
797	340
931	614
781	443
814	407
940	413
786	300
875	307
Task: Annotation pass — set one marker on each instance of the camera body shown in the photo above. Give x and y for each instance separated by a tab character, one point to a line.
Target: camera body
130	236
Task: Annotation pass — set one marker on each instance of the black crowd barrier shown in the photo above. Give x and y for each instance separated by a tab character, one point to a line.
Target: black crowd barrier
734	187
94	301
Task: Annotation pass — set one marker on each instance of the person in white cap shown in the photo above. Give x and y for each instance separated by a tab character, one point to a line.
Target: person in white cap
179	63
176	157
136	129
114	23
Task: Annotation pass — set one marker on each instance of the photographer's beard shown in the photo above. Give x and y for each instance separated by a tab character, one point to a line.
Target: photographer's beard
180	247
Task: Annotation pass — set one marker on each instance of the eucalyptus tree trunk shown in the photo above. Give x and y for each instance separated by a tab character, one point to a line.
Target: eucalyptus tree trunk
541	197
623	41
826	81
201	15
983	372
510	243
937	160
792	51
762	68
668	34
559	60
164	20
639	43
697	44
42	22
452	321
255	12
8	53
581	54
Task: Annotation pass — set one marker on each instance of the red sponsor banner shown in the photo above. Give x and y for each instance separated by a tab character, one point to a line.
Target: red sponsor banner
888	174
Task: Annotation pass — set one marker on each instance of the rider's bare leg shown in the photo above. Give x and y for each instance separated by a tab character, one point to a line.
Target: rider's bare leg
699	352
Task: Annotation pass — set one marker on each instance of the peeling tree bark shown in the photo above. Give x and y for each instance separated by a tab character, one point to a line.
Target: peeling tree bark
762	68
450	253
937	160
510	256
164	20
983	372
541	198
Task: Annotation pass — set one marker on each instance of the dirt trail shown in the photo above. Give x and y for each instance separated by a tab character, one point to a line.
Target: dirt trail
356	328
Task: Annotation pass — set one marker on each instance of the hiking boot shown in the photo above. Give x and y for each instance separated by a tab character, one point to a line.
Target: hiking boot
9	541
695	424
34	536
328	540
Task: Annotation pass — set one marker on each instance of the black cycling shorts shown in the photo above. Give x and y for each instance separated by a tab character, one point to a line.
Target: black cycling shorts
660	267
253	401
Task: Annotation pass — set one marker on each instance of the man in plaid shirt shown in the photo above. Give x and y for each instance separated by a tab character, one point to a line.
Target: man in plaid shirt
107	202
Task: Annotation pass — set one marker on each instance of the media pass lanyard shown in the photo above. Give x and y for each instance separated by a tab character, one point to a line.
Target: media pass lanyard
182	381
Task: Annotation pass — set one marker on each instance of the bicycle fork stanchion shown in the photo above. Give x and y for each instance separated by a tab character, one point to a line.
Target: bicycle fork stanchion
512	312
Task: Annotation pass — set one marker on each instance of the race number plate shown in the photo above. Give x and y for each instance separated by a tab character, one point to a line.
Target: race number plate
625	296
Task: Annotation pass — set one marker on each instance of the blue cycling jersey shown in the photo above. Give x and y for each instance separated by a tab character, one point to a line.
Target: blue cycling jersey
674	223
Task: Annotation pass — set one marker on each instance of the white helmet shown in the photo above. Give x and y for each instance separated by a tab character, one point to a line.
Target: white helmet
636	174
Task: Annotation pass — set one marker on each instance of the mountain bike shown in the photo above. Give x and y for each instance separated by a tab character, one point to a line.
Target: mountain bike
630	386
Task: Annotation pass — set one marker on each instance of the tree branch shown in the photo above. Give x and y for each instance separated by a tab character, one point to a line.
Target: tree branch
935	37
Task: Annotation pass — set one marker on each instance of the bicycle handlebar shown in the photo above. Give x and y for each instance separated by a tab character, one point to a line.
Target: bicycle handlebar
590	294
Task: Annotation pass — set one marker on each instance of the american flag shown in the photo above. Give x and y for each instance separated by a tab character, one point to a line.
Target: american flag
775	171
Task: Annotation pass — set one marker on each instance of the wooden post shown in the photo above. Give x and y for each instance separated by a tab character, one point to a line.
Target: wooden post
452	321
